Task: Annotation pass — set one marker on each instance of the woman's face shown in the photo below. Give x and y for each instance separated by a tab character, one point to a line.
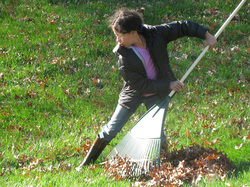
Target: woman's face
126	39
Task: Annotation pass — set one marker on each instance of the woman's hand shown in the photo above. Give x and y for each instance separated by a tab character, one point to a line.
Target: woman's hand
210	40
176	86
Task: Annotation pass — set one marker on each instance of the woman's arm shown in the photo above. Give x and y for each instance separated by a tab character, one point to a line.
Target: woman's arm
138	80
178	29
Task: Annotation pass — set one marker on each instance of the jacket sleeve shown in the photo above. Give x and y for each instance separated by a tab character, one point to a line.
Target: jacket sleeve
138	80
178	29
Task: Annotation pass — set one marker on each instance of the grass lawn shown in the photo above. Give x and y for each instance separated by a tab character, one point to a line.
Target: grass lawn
59	84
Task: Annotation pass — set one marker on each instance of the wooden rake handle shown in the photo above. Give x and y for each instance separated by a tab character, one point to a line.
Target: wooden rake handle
206	48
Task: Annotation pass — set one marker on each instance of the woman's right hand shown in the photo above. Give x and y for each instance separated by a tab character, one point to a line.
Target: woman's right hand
176	86
210	40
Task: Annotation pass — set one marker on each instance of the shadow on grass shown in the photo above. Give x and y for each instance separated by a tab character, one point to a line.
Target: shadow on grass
241	168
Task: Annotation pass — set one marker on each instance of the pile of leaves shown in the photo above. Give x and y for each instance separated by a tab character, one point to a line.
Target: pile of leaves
177	167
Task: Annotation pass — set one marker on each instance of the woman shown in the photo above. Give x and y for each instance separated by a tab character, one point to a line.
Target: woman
144	65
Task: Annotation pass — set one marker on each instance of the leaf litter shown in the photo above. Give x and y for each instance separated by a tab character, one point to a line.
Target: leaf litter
187	165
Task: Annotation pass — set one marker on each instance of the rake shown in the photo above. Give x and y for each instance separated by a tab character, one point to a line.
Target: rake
142	144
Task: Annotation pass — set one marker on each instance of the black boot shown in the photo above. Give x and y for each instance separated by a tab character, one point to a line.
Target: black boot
94	152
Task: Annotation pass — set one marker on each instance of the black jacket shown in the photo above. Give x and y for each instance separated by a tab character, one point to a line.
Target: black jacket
131	67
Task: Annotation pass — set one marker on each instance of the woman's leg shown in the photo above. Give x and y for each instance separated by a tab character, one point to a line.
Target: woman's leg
117	121
109	131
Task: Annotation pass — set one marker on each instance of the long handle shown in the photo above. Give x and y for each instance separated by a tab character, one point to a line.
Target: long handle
206	48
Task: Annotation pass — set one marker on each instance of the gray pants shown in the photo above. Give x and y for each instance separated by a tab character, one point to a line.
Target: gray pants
120	118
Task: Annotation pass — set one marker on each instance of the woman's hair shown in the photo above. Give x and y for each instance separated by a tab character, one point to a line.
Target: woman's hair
125	21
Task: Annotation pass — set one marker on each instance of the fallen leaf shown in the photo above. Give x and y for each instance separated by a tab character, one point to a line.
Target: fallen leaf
238	147
187	133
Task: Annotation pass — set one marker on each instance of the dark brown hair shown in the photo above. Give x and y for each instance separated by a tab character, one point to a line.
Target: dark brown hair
125	21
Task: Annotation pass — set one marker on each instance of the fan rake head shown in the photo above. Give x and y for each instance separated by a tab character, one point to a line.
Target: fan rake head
140	158
142	144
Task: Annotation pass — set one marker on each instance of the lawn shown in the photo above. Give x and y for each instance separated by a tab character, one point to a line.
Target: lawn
59	84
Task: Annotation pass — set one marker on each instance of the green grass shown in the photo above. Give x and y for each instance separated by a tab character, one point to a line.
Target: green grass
59	84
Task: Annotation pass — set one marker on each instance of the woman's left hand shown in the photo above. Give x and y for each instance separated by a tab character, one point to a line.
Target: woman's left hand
210	40
176	86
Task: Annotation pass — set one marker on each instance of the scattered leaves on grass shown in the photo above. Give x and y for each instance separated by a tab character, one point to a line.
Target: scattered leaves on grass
188	165
28	164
